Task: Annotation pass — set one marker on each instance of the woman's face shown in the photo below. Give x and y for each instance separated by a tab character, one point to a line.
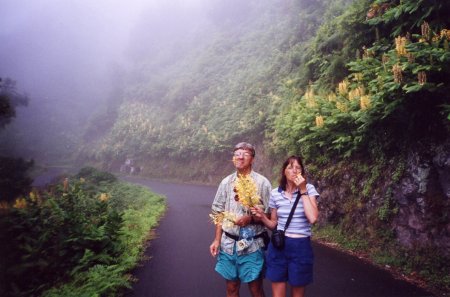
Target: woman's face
292	170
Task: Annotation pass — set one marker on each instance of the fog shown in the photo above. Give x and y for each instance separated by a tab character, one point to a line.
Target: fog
62	54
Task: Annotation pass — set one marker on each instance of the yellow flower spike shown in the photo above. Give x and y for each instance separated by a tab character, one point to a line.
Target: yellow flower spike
103	197
32	196
425	30
310	98
319	121
332	97
351	95
341	106
20	203
365	102
227	219
247	191
422	77
342	87
66	185
358	76
4	206
397	71
400	43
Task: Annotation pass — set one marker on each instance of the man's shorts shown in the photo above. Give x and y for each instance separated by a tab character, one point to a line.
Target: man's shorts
293	264
245	268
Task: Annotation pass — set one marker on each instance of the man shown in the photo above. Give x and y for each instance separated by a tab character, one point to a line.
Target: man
239	245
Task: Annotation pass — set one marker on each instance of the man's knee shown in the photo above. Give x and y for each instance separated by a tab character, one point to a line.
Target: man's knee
233	288
256	288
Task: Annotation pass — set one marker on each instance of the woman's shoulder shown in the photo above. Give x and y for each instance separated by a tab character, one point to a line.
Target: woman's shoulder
276	191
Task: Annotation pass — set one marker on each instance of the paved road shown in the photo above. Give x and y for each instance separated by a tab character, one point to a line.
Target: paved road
181	265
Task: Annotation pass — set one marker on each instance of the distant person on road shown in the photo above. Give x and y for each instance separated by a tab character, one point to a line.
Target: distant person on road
239	236
292	264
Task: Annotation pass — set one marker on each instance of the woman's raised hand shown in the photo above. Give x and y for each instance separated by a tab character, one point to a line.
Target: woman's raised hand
257	211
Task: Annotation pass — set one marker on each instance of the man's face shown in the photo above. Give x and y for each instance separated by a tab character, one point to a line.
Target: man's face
242	159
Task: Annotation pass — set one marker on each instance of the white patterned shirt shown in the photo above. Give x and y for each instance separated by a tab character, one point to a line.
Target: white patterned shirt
224	202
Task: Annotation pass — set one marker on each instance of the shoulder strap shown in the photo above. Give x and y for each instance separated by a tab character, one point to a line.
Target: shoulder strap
292	211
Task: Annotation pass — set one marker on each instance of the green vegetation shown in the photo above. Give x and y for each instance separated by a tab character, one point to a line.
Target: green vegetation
221	91
352	86
80	238
393	95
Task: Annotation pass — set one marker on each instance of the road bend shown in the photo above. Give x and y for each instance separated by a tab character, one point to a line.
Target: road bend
180	263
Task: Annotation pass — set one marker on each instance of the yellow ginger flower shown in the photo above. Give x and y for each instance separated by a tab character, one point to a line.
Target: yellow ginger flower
332	97
33	196
4	206
246	191
104	197
20	203
425	29
422	77
226	218
445	33
367	53
364	102
400	43
341	106
66	185
358	92
342	87
351	95
310	99
358	76
319	121
397	71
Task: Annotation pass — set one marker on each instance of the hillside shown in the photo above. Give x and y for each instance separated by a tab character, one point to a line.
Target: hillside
360	89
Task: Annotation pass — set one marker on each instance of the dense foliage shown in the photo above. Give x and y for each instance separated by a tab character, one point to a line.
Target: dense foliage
395	92
14	178
14	172
86	233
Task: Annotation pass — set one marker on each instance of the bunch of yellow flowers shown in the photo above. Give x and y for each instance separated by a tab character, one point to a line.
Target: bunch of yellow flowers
246	191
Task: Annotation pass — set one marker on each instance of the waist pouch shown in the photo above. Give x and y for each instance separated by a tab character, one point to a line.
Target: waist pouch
264	235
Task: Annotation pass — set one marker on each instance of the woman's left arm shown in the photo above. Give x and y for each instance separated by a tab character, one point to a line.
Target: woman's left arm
310	207
309	202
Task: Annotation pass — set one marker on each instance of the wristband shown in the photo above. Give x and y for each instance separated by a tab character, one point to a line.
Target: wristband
306	193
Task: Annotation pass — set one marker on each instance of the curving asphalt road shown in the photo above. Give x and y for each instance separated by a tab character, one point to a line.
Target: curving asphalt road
180	263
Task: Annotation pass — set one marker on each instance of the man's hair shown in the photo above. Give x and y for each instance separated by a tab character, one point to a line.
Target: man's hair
245	146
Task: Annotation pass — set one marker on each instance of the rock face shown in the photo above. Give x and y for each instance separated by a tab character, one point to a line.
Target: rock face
423	199
414	208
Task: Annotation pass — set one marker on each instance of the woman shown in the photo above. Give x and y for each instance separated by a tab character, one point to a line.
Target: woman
294	263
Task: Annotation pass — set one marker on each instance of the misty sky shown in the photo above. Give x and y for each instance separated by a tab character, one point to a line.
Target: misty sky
62	50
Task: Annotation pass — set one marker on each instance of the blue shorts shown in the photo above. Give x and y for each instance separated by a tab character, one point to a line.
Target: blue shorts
293	264
245	268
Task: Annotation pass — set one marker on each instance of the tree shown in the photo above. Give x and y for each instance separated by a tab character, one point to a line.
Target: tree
14	180
9	100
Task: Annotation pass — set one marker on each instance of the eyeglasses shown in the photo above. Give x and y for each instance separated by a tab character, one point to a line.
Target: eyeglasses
242	154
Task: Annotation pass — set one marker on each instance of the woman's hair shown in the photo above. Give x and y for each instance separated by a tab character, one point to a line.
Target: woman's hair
290	160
